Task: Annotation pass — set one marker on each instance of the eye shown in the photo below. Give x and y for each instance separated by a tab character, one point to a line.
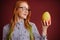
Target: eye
24	8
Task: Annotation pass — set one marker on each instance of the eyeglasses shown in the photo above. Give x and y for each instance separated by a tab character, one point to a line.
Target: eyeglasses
25	9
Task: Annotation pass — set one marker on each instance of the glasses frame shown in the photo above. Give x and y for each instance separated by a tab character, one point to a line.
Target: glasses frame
24	8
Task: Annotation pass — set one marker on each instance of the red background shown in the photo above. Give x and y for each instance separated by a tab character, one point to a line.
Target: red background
37	8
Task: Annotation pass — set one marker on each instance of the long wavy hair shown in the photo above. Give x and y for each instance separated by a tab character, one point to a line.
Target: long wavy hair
15	19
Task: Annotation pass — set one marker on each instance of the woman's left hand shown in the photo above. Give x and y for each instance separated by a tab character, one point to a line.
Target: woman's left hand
45	25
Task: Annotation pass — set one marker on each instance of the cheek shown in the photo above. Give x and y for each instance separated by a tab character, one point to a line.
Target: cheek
22	15
19	12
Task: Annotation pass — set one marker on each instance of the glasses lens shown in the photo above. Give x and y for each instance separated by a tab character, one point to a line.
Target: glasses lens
23	8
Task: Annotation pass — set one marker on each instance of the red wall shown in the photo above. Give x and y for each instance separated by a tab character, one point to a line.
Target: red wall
37	8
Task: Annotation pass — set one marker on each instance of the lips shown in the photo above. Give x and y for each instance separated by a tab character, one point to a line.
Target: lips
25	14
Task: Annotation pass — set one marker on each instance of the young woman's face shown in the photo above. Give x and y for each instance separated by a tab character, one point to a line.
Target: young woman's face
23	10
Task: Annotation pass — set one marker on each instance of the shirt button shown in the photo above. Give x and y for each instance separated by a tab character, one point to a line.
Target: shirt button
18	28
24	31
23	38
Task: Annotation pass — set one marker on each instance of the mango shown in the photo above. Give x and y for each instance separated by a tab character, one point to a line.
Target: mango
46	16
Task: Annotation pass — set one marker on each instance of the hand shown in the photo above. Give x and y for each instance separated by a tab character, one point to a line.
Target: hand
45	25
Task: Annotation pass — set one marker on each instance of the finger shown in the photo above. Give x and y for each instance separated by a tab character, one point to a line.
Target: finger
47	23
44	22
50	22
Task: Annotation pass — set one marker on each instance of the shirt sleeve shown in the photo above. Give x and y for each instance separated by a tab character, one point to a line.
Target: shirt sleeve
44	37
5	32
37	36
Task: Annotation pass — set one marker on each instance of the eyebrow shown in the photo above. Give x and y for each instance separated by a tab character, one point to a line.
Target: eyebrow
20	7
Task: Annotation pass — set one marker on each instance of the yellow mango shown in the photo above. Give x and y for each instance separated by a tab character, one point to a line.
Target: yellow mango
46	16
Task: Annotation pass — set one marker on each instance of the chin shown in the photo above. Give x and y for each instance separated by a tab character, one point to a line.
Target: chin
24	17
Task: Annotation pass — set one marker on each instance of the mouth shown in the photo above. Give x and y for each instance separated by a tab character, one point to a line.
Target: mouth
25	14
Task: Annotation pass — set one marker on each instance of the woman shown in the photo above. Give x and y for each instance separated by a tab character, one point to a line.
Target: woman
20	28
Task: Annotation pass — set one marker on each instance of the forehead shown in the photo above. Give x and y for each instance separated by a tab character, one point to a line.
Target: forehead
23	4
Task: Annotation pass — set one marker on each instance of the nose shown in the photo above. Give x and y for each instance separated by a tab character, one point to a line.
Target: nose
26	11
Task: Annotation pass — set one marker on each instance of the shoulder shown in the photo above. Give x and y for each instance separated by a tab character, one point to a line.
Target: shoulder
31	23
34	27
6	27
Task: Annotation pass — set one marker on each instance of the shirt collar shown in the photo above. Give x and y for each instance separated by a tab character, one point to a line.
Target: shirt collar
20	22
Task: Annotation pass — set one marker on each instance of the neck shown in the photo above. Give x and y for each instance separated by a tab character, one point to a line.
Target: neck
20	19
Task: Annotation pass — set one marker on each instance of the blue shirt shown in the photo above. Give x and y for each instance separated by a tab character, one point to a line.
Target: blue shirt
21	33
